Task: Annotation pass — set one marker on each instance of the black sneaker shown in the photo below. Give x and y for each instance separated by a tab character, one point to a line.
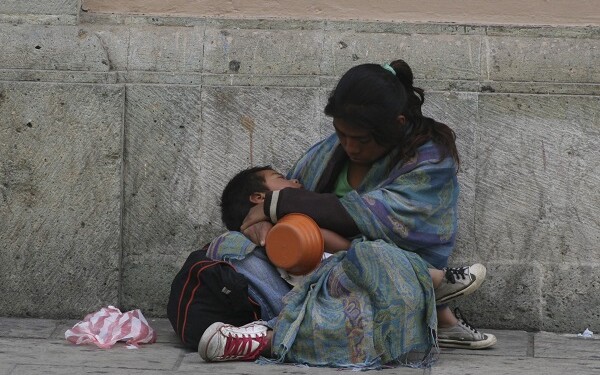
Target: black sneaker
459	281
463	335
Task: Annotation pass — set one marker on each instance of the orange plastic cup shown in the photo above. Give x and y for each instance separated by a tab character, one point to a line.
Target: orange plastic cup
295	244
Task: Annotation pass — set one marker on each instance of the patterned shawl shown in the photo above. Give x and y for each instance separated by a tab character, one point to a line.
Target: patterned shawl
374	304
368	307
412	205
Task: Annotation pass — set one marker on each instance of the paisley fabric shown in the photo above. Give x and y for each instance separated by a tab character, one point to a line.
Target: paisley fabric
374	304
412	205
368	307
229	246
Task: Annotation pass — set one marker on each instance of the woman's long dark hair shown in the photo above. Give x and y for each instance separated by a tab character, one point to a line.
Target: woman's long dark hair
372	97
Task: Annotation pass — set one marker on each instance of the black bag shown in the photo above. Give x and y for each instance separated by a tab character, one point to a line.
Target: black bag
206	291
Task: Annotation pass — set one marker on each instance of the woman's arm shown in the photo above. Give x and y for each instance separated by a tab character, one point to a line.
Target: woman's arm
256	226
324	208
413	207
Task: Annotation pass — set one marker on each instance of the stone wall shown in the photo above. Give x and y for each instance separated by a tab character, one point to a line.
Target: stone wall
118	132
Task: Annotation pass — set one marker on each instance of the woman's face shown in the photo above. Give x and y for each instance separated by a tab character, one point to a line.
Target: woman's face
358	143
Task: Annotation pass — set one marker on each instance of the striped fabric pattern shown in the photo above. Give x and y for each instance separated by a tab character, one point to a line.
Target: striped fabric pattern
109	325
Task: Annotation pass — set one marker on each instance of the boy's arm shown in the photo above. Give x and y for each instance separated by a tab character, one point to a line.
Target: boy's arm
333	241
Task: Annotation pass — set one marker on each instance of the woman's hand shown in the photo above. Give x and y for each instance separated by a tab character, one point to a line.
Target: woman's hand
257	232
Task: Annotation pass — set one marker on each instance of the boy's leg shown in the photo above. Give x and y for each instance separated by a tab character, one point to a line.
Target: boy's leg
224	342
265	285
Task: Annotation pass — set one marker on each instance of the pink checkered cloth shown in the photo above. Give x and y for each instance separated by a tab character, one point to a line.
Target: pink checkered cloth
109	325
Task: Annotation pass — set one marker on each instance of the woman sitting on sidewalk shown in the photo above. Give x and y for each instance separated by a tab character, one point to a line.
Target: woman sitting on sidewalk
388	178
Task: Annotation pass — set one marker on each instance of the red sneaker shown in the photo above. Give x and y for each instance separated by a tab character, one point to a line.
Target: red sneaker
224	342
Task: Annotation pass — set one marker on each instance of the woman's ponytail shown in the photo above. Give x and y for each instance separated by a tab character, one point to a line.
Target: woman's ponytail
423	128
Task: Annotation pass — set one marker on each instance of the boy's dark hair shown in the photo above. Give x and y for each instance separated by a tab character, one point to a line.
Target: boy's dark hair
235	202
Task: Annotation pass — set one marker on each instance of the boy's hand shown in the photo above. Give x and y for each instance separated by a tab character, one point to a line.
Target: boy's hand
257	232
255	215
256	225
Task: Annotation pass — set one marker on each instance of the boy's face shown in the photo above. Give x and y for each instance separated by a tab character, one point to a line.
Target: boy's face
276	181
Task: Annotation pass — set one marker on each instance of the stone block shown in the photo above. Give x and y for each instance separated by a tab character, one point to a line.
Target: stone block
67	48
458	110
256	126
570	296
114	41
546	31
473	364
427	54
60	198
243	127
167	49
38	19
193	364
63	325
81	370
165	332
164	219
264	24
234	79
537	178
58	76
269	52
508	299
57	7
448	85
544	88
52	353
510	344
27	328
148	77
6	368
552	345
406	28
542	59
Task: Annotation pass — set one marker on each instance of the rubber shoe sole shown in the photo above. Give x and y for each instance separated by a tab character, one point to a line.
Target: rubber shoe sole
465	344
203	346
213	345
469	289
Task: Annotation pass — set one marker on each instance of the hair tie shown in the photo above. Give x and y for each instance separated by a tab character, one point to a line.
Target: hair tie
389	68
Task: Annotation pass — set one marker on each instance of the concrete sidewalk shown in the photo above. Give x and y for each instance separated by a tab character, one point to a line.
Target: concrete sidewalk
37	346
